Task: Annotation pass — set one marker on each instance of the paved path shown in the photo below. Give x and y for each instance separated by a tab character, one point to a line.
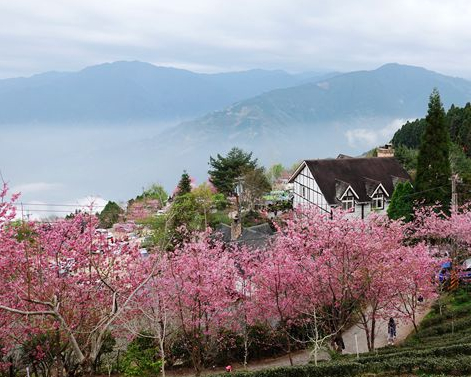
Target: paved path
302	357
403	329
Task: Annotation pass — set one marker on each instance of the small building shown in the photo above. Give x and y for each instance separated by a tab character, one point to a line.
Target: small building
359	185
386	150
254	237
282	182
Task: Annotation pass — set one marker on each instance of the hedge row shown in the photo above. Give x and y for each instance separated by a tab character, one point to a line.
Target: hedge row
448	314
445	328
333	369
445	351
452	366
460	365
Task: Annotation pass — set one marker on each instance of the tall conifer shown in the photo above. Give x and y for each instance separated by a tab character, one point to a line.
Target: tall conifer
184	186
433	166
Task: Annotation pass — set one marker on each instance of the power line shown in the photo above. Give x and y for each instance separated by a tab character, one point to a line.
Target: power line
47	210
60	205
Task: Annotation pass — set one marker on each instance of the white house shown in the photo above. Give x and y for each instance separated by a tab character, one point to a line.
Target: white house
361	185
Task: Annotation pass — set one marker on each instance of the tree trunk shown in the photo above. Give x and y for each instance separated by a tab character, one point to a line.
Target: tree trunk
87	367
11	368
162	356
246	349
196	359
59	366
35	370
367	333
372	334
414	321
289	348
366	327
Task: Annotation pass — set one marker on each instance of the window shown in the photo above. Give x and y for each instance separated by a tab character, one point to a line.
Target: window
304	192
378	201
348	203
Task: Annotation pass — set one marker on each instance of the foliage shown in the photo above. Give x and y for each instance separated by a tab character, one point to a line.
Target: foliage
410	134
220	202
141	358
194	211
201	288
110	215
218	218
255	184
67	277
334	369
155	191
251	218
407	157
39	350
274	172
402	202
184	186
225	170
459	121
433	163
316	277
435	349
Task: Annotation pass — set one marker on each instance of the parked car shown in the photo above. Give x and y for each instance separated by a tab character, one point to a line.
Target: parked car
465	273
444	273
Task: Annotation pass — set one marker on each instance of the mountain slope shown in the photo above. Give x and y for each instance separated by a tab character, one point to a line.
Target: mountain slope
348	113
124	92
364	98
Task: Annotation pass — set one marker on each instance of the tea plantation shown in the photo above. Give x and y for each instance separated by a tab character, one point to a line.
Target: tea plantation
442	347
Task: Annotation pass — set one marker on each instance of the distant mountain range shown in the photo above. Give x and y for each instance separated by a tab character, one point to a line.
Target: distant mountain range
130	92
347	113
391	91
279	116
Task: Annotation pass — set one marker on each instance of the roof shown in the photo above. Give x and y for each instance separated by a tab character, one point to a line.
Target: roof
256	236
363	175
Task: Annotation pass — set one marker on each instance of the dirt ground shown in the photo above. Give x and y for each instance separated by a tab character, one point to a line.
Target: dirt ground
302	357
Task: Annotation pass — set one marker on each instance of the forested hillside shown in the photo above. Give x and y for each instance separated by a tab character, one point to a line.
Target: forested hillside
407	141
459	122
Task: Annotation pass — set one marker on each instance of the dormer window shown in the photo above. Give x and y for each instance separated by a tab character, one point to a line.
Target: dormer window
348	202
378	198
348	199
377	201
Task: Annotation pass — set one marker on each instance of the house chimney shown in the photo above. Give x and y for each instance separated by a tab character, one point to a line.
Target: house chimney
236	228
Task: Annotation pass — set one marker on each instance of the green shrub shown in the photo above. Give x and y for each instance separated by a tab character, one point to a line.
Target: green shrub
141	359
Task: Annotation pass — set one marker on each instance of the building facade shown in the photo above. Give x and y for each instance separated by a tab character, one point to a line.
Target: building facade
358	185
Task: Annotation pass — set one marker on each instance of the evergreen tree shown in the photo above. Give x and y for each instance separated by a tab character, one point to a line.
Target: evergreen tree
402	202
433	164
110	215
225	170
184	186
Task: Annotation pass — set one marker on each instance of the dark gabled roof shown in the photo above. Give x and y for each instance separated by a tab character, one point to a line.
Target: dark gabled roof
362	174
255	237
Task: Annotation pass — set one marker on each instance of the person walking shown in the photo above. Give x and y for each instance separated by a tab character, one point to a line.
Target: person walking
391	331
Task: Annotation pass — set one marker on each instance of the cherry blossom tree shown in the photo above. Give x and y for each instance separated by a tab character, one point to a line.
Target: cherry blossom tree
150	314
69	275
201	289
329	268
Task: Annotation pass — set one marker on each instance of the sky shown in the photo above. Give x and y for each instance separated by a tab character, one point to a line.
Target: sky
224	35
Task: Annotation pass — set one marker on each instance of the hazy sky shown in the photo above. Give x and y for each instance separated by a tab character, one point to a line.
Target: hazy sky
219	35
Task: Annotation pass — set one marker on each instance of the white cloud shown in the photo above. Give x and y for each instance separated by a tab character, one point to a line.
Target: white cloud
370	138
224	35
37	210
